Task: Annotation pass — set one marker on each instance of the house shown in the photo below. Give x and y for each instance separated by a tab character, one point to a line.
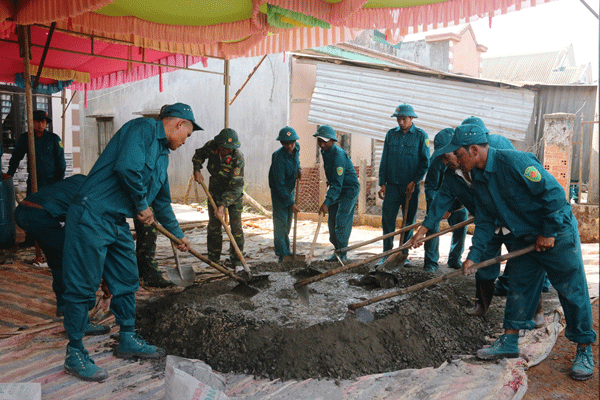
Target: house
553	67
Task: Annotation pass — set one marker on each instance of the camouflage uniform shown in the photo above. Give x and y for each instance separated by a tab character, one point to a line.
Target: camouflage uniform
145	251
226	186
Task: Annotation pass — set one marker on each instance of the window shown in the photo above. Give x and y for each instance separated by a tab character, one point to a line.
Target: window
105	132
13	113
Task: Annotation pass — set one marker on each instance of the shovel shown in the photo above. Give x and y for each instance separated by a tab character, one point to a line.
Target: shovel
301	289
365	315
300	286
231	238
242	287
180	276
294	256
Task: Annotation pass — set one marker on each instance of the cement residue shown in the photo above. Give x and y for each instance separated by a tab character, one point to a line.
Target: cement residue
273	335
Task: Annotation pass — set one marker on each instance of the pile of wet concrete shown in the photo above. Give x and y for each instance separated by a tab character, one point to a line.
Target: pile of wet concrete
274	335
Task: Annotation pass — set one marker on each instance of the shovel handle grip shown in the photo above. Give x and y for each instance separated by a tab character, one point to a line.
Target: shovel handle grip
444	277
198	255
227	229
314	242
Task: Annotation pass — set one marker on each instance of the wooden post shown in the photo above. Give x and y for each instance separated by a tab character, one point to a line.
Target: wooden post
26	53
362	178
226	82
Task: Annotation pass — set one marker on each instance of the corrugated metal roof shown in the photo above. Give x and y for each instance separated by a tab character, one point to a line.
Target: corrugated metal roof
361	100
553	67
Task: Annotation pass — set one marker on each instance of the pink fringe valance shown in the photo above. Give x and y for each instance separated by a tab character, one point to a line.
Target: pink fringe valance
136	73
236	39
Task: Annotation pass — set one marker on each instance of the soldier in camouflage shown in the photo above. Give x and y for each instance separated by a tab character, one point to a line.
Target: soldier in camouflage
226	186
145	251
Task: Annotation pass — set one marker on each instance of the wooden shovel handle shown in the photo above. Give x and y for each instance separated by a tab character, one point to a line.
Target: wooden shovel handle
391	252
444	277
404	212
198	255
314	242
229	234
295	218
387	235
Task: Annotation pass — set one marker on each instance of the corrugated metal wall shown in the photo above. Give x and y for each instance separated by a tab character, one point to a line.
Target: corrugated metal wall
361	100
578	100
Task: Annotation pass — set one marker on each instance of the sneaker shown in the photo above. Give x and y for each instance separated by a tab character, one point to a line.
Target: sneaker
583	366
238	269
79	363
156	280
506	346
430	268
381	261
331	258
95	329
131	345
454	264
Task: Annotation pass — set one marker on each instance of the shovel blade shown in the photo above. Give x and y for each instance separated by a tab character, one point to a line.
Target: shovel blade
303	295
384	279
292	259
245	290
363	315
187	277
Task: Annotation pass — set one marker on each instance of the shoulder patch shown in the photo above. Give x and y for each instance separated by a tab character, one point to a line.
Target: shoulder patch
236	171
427	142
60	143
340	170
533	174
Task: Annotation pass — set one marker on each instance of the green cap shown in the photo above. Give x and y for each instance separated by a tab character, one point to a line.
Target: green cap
326	132
476	121
40	115
404	110
287	134
441	140
228	139
465	135
182	111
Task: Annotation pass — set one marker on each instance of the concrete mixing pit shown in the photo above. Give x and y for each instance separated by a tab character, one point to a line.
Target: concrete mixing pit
274	335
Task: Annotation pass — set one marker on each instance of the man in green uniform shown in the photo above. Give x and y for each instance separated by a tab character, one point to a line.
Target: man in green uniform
226	186
340	200
49	157
404	161
513	187
129	176
457	214
284	170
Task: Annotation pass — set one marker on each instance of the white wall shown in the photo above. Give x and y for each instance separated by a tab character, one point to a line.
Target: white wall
258	114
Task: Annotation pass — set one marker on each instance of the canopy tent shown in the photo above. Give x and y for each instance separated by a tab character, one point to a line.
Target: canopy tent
149	31
242	28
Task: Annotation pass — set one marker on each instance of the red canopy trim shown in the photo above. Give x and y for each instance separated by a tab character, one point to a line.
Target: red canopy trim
136	73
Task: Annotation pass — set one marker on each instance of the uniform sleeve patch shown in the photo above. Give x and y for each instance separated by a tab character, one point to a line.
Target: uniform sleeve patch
427	142
60	143
236	171
340	170
533	174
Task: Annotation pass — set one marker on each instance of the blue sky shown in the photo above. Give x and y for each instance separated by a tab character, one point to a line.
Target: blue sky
546	27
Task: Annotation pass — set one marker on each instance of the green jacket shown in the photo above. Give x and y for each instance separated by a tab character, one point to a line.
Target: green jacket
226	174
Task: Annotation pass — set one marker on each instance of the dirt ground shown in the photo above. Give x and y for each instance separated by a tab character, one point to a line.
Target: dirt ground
241	335
550	379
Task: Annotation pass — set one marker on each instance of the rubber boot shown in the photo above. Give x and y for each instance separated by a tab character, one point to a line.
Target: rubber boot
79	363
506	346
484	293
583	366
538	318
